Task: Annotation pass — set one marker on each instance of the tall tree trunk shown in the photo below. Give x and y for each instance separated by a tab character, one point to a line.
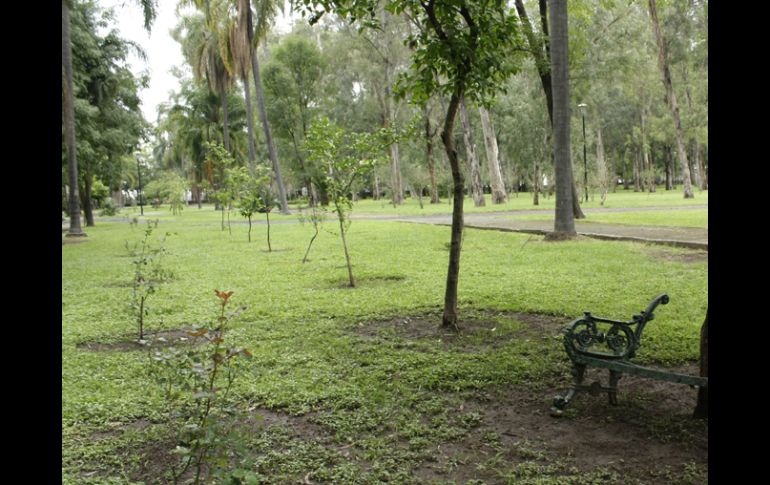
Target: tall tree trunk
249	120
225	116
601	167
449	318
470	151
88	206
637	172
69	123
499	196
702	406
646	165
541	51
536	185
396	186
702	170
564	223
434	199
376	193
266	128
671	97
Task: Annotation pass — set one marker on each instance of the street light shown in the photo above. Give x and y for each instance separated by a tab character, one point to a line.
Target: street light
582	107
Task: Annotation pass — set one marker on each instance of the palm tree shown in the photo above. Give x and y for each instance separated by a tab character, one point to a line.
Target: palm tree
207	51
266	12
564	224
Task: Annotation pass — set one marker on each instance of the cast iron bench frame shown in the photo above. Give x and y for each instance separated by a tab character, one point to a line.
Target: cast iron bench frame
618	346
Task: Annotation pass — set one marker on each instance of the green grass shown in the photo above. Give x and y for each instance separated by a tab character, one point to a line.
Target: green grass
620	198
386	396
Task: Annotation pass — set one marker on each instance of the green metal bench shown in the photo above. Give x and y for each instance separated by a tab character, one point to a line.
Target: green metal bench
612	349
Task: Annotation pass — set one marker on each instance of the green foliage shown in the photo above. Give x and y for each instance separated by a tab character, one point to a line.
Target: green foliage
109	207
169	188
339	159
459	47
196	384
148	271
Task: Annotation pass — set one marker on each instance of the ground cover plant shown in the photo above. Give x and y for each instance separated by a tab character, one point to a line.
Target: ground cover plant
359	385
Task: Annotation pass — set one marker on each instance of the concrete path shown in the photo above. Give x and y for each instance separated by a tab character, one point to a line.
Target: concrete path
690	237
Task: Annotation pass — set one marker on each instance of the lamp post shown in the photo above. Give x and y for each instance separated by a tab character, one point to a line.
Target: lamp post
582	107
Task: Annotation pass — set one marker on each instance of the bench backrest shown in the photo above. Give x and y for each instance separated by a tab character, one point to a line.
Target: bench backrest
620	341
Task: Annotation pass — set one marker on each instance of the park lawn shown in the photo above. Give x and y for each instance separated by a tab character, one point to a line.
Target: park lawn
523	201
387	397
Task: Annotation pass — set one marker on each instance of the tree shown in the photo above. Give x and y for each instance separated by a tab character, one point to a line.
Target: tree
254	194
499	194
246	26
292	79
540	49
460	50
473	159
68	108
702	407
665	72
564	223
148	7
342	158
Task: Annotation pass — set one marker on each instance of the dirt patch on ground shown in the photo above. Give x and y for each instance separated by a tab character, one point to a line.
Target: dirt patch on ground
153	340
478	329
648	438
680	257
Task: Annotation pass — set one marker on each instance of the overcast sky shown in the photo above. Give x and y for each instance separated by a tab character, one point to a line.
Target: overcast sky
162	51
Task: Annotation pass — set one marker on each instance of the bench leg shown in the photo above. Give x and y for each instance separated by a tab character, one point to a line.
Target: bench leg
612	392
561	402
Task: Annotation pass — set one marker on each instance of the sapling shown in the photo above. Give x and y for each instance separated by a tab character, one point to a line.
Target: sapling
341	158
147	271
206	374
254	193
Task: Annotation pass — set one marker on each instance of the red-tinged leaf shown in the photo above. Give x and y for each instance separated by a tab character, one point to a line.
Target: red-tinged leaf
199	333
217	340
246	353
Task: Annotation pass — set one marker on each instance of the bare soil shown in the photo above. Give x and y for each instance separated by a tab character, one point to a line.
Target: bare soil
156	339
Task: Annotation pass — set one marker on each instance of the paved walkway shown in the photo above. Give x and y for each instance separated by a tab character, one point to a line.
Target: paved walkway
690	237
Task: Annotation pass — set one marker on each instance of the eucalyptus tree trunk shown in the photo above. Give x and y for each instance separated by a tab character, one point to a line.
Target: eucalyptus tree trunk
649	177
470	151
695	166
69	123
499	196
536	185
671	97
249	120
376	192
434	199
449	318
638	186
564	223
396	186
701	168
601	166
669	169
